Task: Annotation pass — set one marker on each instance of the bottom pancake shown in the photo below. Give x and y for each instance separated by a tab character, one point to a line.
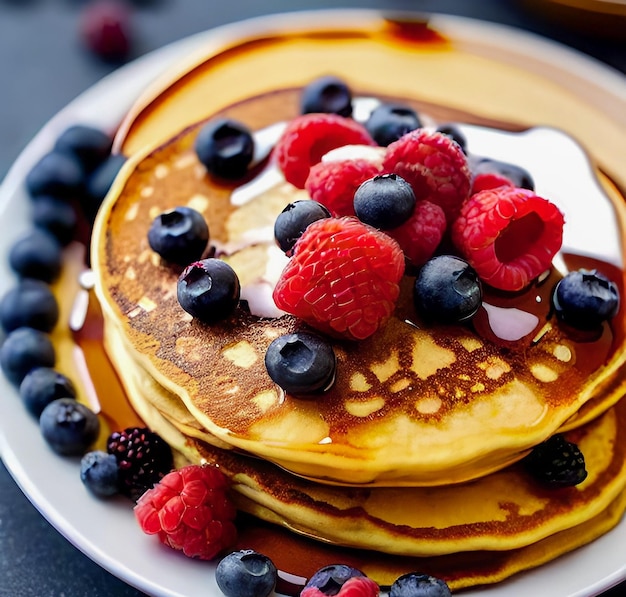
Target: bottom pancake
502	513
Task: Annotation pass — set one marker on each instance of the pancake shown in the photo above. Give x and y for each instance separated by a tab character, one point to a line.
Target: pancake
411	405
502	523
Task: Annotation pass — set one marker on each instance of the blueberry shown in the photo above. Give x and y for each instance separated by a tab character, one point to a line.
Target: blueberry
385	201
326	94
209	290
301	363
225	147
179	235
41	386
419	585
294	219
556	463
519	176
454	132
330	579
447	290
68	426
55	216
246	573
99	182
29	304
23	350
57	174
585	298
90	145
388	122
99	473
36	254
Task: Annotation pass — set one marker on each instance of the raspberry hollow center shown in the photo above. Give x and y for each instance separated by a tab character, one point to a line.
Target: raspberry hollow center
518	237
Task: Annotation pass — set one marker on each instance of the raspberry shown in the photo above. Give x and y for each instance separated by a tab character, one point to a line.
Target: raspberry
357	586
307	138
343	278
509	235
143	459
189	510
421	234
489	180
105	29
334	183
434	165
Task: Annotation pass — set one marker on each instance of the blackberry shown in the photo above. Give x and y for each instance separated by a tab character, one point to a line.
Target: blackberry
556	463
143	459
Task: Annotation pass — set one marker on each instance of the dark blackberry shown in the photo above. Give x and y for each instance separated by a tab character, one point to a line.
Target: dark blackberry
557	463
143	459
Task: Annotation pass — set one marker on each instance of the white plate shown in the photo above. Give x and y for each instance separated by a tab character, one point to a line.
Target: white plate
106	531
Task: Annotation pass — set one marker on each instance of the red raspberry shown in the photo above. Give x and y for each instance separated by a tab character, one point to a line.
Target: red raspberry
105	29
334	183
421	234
189	510
489	180
357	586
307	138
509	235
434	165
342	279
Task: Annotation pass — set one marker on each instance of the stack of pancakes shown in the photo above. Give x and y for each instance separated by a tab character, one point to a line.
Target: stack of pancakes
414	453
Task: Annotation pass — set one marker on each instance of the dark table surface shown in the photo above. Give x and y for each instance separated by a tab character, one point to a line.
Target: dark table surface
42	68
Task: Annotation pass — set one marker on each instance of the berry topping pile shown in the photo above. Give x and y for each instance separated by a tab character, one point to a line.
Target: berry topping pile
342	279
189	510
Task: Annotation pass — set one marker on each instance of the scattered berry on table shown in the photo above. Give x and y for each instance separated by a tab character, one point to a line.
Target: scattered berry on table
301	363
99	182
454	132
327	94
519	177
509	236
143	459
388	122
57	174
89	144
447	290
190	510
585	298
179	235
434	165
342	279
334	183
105	29
246	573
55	216
384	201
310	136
30	303
36	254
556	463
419	585
422	233
293	221
43	385
330	579
225	147
24	349
99	473
69	427
209	290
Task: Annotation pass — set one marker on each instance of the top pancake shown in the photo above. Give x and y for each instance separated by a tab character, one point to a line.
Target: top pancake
410	405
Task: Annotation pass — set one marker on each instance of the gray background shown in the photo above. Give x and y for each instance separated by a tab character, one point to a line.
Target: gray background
42	68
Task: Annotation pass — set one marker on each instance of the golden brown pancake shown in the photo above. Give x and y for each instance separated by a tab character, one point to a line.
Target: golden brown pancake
413	404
